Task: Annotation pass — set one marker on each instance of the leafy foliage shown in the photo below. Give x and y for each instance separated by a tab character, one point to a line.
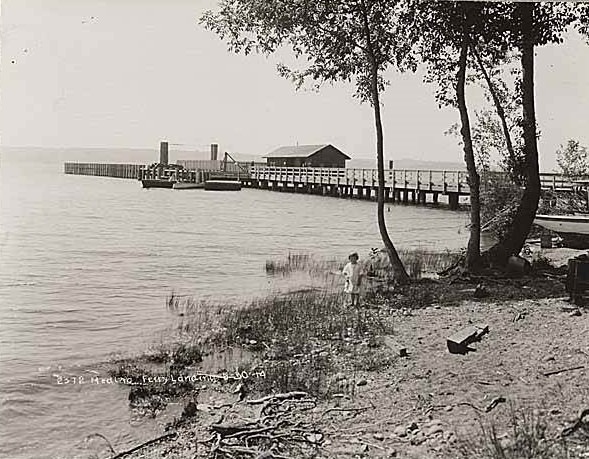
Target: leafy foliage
327	36
583	20
572	159
499	201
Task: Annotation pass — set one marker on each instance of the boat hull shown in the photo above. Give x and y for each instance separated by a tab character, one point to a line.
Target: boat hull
223	185
188	186
574	229
155	183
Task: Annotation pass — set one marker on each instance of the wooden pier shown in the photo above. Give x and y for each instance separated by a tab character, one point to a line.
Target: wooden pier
415	186
127	171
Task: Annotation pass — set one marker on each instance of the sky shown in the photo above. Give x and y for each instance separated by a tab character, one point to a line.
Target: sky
130	73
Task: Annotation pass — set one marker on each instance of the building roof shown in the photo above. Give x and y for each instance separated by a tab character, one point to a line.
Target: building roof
300	151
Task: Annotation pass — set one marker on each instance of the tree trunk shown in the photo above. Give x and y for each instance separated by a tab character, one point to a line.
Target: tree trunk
473	251
401	275
400	272
526	212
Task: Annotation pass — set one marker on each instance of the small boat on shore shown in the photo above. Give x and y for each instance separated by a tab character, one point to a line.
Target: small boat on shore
574	229
222	185
157	183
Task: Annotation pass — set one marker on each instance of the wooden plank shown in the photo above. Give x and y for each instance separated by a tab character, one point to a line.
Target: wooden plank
458	342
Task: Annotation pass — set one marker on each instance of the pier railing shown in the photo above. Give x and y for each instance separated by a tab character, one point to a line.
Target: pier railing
421	180
559	182
438	181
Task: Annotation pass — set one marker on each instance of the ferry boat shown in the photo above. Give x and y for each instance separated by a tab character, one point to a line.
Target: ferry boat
157	183
223	185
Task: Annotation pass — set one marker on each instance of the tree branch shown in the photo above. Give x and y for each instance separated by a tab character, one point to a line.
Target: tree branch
497	103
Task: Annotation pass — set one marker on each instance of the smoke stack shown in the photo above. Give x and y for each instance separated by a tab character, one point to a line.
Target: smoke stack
214	151
164	153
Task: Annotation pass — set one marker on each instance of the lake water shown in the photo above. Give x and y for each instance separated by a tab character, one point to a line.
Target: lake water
86	264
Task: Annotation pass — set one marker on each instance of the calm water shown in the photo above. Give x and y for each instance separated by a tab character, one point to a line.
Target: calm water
86	264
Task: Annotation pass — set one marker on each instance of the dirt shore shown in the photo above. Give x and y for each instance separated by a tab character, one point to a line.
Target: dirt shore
431	403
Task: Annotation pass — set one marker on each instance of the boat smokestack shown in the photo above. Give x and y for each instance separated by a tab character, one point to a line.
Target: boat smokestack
164	153
214	151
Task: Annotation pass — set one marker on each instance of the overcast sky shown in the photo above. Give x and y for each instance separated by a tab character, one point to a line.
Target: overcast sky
129	73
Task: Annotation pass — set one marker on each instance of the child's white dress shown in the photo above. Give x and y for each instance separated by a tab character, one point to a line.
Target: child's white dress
352	272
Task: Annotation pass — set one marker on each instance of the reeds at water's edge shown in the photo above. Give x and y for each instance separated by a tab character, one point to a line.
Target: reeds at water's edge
418	262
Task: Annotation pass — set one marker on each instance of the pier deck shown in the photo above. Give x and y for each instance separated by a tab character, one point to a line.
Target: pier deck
400	185
418	186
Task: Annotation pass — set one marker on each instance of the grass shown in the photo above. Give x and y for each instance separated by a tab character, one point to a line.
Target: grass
421	261
296	338
302	262
526	436
417	262
309	374
299	319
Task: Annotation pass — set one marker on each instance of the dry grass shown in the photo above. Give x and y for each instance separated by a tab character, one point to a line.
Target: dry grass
285	330
302	262
527	436
418	262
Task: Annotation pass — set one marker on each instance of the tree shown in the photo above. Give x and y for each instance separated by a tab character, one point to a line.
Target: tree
353	40
499	135
496	31
473	252
447	32
529	25
572	159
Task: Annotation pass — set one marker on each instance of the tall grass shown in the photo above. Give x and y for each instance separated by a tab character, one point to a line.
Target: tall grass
418	262
295	333
525	436
296	318
302	262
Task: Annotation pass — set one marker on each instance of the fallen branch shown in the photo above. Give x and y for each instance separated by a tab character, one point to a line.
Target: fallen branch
274	397
578	423
226	430
555	372
251	432
494	403
143	445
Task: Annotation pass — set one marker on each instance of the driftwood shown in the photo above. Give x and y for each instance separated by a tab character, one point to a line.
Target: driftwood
231	429
459	341
555	372
270	434
143	445
578	424
496	401
275	397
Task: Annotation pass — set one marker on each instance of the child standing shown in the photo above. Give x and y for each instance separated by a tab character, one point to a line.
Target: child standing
353	275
